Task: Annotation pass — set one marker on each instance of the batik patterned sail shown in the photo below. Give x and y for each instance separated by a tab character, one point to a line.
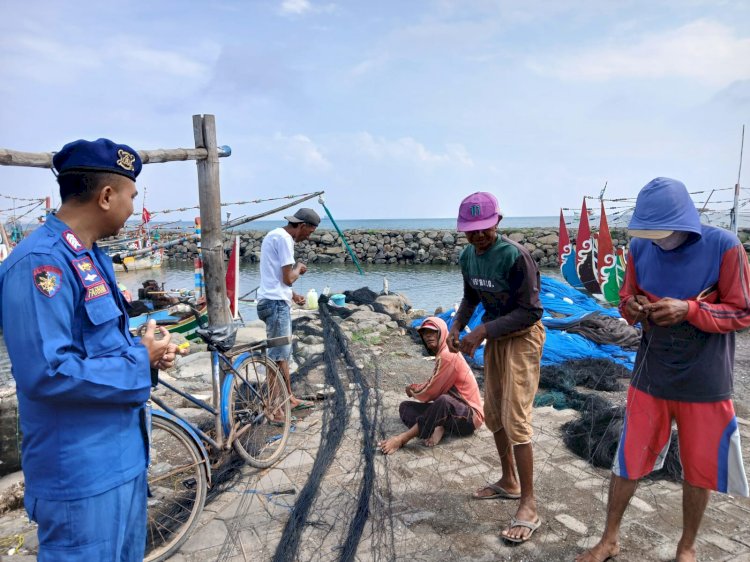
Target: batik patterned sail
585	254
566	256
606	261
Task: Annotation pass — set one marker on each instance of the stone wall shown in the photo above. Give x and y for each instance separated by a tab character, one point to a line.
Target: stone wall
437	247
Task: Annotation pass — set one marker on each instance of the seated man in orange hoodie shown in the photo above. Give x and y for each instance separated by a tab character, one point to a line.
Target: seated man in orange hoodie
448	402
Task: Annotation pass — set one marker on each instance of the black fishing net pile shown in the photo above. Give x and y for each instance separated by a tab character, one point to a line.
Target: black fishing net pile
596	434
326	511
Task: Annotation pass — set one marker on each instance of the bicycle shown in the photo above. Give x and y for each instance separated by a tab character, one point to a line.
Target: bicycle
252	414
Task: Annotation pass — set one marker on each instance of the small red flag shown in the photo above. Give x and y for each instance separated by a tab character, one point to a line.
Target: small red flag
145	216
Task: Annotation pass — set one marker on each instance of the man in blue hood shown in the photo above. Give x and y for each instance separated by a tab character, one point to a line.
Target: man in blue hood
688	284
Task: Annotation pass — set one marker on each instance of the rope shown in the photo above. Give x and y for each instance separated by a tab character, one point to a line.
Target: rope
341	235
167	211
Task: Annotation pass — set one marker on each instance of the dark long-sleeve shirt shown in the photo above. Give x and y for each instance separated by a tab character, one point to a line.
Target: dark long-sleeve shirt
693	360
505	279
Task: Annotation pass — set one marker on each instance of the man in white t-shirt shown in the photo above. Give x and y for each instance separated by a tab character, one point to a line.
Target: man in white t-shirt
278	272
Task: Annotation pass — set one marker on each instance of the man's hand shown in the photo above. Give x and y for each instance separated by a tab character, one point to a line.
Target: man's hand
167	360
298	299
300	268
157	348
638	308
668	311
472	341
453	339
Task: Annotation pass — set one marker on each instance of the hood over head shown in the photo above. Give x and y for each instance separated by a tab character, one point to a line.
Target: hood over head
664	206
438	324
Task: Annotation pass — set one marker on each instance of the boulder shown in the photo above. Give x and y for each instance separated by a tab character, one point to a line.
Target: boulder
549	239
393	303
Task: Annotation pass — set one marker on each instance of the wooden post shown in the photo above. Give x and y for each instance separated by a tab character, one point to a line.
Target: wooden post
212	243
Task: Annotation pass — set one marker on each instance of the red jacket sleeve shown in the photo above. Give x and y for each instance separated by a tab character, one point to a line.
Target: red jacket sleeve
628	290
440	382
727	307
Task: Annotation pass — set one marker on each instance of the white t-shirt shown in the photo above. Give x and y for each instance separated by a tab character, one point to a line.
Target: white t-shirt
276	251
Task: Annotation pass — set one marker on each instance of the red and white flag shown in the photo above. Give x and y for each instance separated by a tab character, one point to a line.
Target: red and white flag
233	278
145	216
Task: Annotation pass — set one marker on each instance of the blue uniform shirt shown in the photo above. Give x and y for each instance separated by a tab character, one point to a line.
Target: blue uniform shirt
81	379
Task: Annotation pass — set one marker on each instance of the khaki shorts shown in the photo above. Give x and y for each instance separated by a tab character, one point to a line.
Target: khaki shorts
511	379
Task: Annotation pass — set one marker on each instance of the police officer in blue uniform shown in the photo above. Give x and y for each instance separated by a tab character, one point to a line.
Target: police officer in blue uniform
82	380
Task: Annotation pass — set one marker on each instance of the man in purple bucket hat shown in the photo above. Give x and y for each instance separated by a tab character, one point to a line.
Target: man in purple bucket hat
503	276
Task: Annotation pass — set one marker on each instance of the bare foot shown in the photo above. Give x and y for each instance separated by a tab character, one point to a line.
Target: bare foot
512	487
437	435
391	445
601	551
686	554
526	512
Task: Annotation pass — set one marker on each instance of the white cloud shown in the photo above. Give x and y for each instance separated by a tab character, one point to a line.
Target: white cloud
300	7
300	148
406	149
47	60
705	51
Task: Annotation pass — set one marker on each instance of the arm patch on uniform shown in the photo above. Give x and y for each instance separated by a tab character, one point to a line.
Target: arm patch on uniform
48	279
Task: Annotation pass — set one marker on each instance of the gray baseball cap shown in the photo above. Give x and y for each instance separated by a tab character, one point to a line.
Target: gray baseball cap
304	215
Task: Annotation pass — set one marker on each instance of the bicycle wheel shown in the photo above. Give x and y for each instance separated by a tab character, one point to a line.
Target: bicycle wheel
177	481
260	411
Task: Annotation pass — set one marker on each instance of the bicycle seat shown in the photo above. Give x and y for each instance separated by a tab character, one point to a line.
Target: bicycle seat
220	337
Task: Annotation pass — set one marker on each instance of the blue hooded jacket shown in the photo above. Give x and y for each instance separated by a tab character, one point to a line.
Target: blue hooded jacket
665	204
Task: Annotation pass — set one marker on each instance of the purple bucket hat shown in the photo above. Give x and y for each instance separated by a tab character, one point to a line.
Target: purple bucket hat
478	211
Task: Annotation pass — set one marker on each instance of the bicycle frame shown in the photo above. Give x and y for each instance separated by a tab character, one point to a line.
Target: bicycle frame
220	407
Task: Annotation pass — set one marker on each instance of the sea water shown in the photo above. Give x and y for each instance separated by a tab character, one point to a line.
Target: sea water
426	286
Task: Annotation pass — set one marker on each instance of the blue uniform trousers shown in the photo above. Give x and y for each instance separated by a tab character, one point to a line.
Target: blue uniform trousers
109	527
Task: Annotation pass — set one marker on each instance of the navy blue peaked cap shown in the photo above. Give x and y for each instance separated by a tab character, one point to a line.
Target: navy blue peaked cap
101	155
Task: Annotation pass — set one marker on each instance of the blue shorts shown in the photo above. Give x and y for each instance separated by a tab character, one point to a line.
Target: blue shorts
108	526
278	318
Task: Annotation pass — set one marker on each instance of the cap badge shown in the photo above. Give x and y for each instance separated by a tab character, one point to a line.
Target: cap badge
126	160
476	210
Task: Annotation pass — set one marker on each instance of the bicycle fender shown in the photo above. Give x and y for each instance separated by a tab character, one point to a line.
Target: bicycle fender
226	391
197	440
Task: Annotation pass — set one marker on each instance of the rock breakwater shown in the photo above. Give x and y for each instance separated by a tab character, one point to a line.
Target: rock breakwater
436	247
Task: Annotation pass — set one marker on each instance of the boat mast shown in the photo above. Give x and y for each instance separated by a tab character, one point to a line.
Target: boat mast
733	222
147	241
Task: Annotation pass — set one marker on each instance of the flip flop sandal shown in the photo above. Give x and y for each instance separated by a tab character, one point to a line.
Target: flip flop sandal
500	493
303	406
520	523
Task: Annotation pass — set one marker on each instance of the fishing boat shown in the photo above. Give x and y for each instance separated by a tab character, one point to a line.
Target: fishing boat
593	263
586	254
566	256
178	319
118	249
609	269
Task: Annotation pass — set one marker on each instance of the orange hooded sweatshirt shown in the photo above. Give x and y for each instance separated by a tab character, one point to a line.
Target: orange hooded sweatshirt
452	375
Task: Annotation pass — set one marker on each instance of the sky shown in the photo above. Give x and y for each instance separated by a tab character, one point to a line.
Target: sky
395	108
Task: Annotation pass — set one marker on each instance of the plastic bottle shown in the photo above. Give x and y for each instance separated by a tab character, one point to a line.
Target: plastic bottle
312	300
327	290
